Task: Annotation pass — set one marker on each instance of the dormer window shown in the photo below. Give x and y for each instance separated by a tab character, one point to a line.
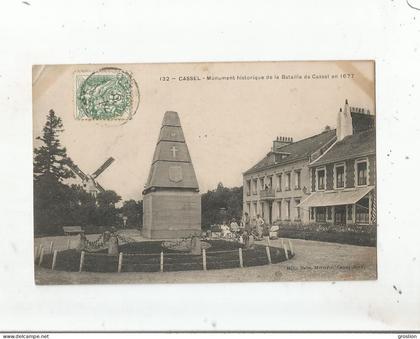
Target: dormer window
280	155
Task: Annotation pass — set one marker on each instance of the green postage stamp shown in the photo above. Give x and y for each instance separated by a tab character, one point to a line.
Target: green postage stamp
107	94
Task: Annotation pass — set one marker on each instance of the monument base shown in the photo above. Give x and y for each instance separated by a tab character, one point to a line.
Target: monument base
171	214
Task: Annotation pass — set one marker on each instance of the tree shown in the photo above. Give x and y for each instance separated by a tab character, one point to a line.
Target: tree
57	204
133	210
83	207
51	205
52	199
51	158
107	199
221	205
106	214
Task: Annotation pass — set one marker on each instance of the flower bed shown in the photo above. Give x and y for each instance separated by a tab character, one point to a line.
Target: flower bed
145	257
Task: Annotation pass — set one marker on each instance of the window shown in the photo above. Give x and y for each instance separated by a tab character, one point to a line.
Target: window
339	176
321	179
270	181
320	214
329	213
349	212
248	187
362	211
279	182
255	186
287	184
362	173
288	209
297	180
262	183
255	209
248	208
297	202
279	210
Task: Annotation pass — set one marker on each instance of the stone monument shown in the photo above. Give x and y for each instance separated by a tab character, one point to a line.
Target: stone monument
171	199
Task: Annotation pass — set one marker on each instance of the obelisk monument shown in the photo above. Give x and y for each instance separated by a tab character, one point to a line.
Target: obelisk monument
171	199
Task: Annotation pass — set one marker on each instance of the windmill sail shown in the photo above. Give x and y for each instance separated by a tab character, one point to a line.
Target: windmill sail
103	167
99	187
77	171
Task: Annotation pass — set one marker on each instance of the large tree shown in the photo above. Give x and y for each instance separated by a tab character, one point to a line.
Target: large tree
51	158
55	203
221	205
106	214
107	199
133	210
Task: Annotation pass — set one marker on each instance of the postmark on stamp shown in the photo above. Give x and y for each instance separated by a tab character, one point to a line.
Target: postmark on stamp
107	94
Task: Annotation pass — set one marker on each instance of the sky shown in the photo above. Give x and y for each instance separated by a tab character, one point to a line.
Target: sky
229	125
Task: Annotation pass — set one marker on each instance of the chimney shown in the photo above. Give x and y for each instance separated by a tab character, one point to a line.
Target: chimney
362	119
281	142
344	122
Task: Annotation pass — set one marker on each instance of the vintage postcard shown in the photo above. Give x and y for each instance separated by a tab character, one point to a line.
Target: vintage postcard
204	172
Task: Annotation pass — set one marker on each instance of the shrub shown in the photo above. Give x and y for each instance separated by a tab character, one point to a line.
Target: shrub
353	234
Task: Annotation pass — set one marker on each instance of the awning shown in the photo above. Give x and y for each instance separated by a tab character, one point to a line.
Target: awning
333	198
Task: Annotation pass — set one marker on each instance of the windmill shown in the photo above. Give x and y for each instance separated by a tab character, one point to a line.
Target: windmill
89	181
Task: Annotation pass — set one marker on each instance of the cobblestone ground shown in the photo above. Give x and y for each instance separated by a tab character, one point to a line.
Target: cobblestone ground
314	260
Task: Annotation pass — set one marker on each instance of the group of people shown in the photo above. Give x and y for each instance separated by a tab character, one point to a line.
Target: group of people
247	227
256	227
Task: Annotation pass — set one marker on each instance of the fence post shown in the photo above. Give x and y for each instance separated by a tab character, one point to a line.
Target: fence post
120	259
291	247
241	260
68	244
41	256
54	260
268	241
161	261
204	260
267	249
285	252
51	246
82	260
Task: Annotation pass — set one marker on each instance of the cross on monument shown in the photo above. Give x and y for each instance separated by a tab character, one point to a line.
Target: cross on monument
174	150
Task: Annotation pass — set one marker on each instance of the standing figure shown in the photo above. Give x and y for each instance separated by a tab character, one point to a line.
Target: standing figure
225	230
246	223
234	227
260	224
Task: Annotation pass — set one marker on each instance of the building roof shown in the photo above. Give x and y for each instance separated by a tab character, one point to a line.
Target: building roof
298	150
352	146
